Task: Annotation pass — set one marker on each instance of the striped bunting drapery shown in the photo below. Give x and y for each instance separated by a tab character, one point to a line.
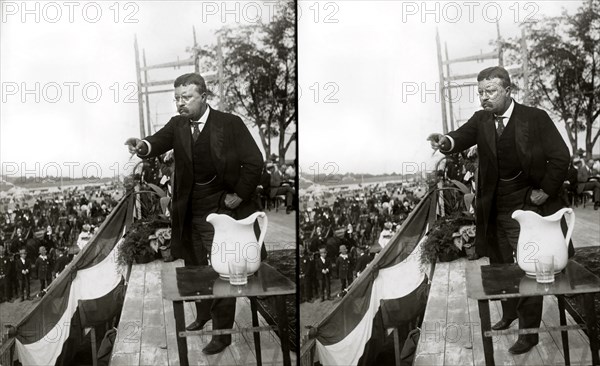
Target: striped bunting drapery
342	337
93	274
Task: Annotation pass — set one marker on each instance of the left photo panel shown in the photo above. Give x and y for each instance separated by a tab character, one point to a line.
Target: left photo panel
148	183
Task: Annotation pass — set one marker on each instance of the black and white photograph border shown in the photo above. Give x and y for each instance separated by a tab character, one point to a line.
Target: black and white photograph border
84	83
376	80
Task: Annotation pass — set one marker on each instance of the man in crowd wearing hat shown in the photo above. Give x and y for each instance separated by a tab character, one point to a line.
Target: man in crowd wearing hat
217	170
587	182
523	162
279	187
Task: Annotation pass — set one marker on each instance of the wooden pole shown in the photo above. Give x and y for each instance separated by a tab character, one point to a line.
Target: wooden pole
146	94
220	74
525	67
449	89
499	45
441	72
196	57
139	87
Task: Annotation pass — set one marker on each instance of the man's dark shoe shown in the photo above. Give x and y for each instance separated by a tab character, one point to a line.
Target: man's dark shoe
596	205
503	324
522	345
197	325
289	209
215	346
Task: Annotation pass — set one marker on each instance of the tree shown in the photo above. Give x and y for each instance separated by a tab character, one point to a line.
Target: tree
259	73
563	61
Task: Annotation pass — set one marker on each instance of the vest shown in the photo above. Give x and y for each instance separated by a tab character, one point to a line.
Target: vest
204	169
509	165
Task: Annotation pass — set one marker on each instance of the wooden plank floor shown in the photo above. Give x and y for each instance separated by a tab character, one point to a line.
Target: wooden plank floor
146	332
451	333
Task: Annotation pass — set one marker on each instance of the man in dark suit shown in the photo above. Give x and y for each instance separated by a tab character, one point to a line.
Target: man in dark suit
43	268
61	261
523	162
23	270
5	269
305	286
344	267
323	269
584	183
217	169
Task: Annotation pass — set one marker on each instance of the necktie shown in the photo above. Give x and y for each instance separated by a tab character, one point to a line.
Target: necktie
196	131
500	127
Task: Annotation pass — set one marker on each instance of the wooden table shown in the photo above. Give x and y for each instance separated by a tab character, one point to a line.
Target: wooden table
266	282
501	281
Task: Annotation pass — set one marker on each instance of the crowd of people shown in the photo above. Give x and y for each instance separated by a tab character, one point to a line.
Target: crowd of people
39	235
340	236
584	176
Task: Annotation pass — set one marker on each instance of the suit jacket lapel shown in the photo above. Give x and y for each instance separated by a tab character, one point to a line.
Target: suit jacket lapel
489	129
185	134
217	137
522	131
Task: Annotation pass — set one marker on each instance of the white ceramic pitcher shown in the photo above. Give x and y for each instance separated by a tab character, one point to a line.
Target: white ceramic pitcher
542	236
235	239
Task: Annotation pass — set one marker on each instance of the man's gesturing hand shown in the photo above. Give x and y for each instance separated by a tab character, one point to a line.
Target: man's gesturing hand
232	200
439	141
136	146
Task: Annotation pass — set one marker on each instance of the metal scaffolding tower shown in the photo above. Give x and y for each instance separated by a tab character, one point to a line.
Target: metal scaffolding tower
147	87
448	81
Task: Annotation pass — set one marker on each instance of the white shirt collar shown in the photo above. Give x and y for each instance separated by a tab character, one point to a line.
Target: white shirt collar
508	112
204	116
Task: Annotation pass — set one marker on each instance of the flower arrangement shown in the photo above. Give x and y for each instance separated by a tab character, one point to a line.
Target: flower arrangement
143	240
464	239
448	237
163	243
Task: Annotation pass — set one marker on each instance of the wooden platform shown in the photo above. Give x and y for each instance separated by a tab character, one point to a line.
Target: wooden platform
451	333
146	332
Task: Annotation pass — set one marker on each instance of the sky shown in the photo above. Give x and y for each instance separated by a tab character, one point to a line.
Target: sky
368	73
67	73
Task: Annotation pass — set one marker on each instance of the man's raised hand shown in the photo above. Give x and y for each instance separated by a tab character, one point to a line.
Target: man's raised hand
136	146
439	142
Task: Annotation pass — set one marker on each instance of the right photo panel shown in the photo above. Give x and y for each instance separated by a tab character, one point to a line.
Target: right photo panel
449	182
